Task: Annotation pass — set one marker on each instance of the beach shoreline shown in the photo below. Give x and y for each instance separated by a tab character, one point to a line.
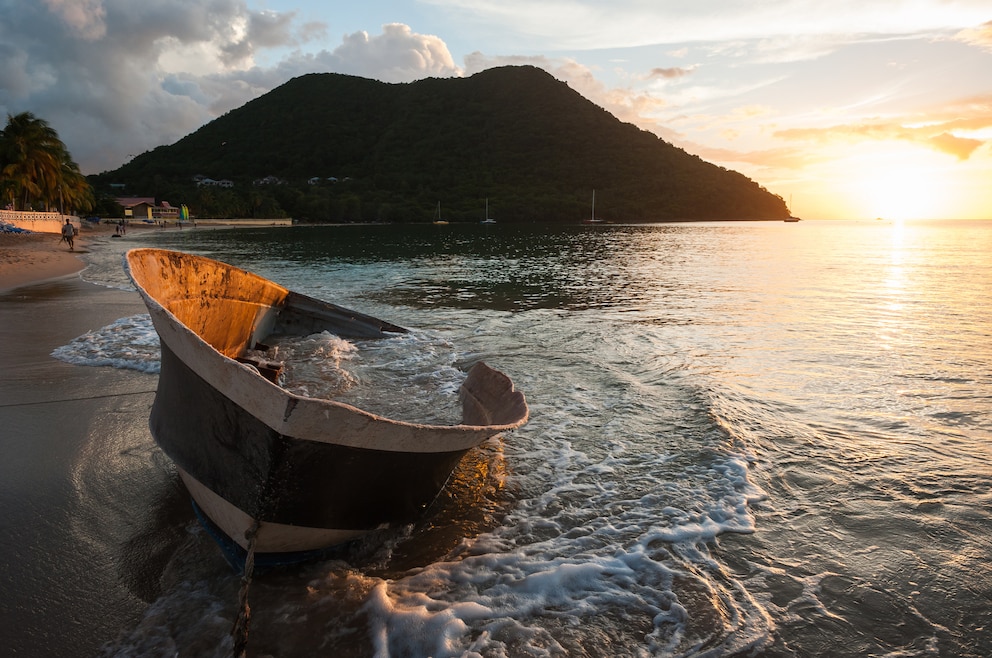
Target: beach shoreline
29	258
82	563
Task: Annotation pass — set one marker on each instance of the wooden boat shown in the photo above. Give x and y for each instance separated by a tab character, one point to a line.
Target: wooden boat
278	473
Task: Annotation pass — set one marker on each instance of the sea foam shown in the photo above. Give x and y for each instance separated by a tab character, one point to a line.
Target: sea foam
129	343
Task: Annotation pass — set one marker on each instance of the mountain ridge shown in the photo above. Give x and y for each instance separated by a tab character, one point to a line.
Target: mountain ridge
515	135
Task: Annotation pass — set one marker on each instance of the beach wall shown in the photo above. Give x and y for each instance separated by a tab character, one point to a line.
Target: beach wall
39	222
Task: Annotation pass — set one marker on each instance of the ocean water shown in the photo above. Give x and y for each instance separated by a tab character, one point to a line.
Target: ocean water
746	439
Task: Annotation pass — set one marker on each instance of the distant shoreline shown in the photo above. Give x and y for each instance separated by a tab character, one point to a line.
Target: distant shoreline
29	258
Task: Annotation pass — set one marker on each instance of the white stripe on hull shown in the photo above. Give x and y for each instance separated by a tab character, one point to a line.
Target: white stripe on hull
271	537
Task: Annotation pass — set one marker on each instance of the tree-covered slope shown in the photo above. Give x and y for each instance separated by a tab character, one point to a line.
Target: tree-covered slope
515	135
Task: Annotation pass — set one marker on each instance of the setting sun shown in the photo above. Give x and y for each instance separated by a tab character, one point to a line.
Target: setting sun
889	181
903	191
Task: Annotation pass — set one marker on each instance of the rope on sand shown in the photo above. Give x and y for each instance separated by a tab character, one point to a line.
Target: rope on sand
90	397
239	632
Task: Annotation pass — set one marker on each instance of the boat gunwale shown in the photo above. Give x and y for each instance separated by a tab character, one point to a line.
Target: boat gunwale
294	404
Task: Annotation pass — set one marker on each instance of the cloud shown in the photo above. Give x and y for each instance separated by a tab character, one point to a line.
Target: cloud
116	78
396	55
961	147
84	17
592	24
760	159
935	133
265	29
669	73
980	36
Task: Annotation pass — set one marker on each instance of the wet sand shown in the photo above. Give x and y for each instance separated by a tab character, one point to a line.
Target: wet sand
86	501
27	258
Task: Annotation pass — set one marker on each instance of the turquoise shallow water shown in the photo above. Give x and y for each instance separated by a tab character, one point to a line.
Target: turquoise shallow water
746	438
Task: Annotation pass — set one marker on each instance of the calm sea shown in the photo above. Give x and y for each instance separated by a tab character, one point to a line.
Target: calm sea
761	439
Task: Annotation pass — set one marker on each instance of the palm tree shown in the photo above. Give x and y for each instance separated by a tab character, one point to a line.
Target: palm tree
75	193
35	166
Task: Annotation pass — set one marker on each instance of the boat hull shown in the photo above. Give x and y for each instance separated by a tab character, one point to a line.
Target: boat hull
300	474
284	479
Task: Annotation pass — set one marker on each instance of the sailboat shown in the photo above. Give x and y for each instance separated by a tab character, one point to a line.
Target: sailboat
592	218
791	217
488	219
437	215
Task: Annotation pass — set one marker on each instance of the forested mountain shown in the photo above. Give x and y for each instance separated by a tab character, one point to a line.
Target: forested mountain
390	152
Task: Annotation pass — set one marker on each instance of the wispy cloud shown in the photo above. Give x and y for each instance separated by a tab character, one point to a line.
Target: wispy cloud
591	24
980	36
671	73
946	135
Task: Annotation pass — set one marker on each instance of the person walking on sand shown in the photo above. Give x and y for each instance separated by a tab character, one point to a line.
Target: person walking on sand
68	232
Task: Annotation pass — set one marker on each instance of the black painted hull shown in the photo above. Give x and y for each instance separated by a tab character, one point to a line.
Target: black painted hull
284	479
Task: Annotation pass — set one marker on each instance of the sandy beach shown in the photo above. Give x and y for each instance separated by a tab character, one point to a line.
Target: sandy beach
85	504
33	257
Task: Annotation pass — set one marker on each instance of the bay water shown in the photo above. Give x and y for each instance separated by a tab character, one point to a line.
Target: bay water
758	438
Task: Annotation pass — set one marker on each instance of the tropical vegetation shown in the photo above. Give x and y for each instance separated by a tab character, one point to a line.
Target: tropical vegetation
36	170
337	148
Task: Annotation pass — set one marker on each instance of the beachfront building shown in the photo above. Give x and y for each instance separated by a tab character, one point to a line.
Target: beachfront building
146	208
137	207
166	212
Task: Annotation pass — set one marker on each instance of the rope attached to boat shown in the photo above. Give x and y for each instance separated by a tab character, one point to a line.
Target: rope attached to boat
239	632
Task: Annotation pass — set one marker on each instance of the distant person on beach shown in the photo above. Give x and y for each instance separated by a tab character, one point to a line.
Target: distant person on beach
68	232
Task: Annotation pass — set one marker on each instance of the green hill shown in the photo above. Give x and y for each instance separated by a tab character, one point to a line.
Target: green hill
390	152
